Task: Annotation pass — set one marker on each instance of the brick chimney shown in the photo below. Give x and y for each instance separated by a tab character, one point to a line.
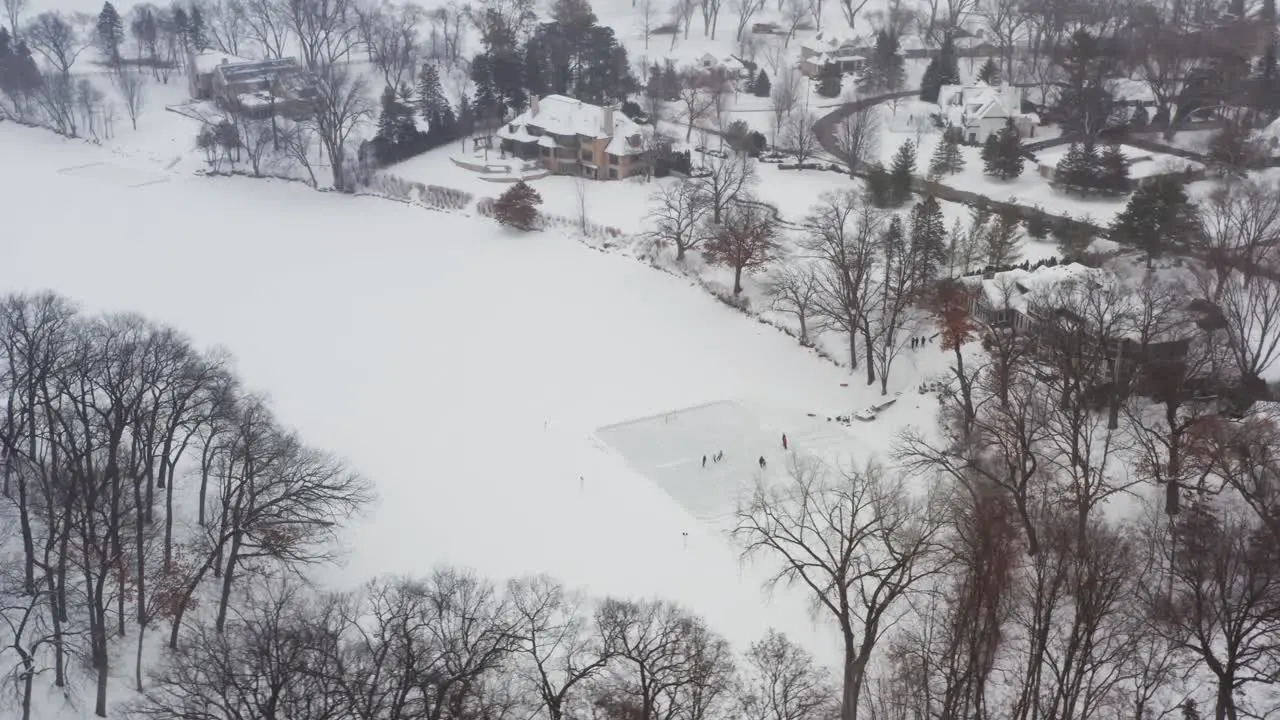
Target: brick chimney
533	104
608	120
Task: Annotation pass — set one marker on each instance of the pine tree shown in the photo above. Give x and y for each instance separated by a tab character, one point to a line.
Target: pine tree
879	186
182	27
110	32
199	40
829	81
989	73
1002	153
1003	240
762	87
886	70
487	103
900	173
942	70
928	239
518	207
948	159
1069	170
1113	170
1159	217
434	108
1073	239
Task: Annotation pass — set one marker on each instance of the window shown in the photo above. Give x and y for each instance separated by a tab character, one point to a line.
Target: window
588	156
613	172
613	159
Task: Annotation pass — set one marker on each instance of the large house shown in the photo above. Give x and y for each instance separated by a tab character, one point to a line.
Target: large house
256	87
815	54
981	110
570	137
1039	303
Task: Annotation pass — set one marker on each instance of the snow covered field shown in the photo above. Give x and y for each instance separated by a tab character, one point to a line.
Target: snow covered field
463	369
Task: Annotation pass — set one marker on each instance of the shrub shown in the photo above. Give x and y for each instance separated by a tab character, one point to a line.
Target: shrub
518	207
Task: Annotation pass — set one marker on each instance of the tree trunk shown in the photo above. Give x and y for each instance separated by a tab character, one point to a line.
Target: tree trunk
737	280
869	346
224	599
28	540
168	519
137	660
139	538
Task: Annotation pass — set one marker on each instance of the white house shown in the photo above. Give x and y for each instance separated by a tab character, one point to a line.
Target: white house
816	53
570	137
732	67
981	110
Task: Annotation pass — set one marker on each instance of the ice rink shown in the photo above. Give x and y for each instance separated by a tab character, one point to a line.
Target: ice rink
668	449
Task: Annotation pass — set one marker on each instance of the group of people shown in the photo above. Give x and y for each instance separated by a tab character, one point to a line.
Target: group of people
763	463
917	342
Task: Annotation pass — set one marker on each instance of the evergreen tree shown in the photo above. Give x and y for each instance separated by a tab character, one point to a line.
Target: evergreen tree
435	108
989	73
1002	153
928	240
1158	218
182	27
1003	240
1113	170
7	64
1070	169
110	32
829	81
1073	239
199	38
942	70
879	186
518	207
762	87
886	70
900	173
397	137
487	103
948	159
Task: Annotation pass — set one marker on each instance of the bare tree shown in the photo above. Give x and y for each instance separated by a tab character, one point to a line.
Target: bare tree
667	660
132	87
744	10
710	16
850	10
58	39
268	24
226	22
648	16
726	180
390	33
857	544
842	234
258	137
678	216
796	14
856	138
1250	312
1240	229
800	138
271	659
298	143
785	93
784	683
795	290
1220	604
326	31
341	105
13	10
555	638
745	240
695	100
1006	21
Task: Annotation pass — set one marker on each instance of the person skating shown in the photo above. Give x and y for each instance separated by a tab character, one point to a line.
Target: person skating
784	441
704	462
762	462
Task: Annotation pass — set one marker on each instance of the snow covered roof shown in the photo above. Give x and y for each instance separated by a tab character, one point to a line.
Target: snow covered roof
979	100
560	115
206	61
1017	289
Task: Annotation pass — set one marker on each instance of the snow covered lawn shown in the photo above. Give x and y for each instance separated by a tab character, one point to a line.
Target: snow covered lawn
463	368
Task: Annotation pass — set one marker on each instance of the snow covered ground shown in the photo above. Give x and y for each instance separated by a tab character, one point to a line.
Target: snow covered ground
466	370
